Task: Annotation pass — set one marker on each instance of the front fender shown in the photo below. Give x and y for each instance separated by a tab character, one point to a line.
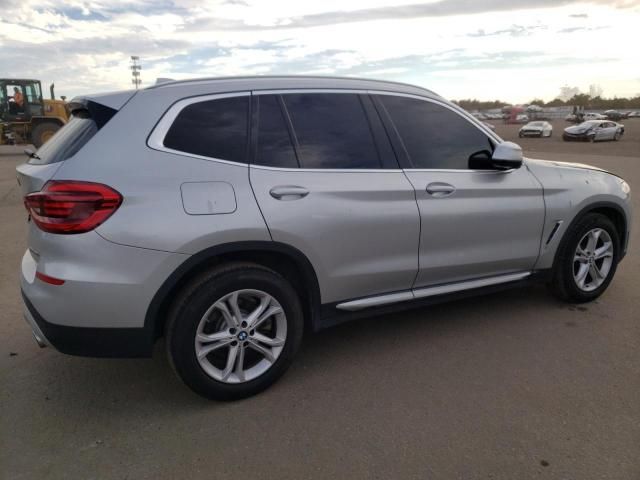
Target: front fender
570	191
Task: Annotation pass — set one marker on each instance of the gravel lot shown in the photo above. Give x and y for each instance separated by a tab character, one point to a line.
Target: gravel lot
512	385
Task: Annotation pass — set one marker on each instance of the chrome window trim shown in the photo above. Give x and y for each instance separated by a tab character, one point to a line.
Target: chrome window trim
159	132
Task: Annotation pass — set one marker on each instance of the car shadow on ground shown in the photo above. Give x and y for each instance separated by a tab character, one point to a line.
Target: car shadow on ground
115	384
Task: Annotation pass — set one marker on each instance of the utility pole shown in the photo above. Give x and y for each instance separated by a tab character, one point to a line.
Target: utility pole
135	71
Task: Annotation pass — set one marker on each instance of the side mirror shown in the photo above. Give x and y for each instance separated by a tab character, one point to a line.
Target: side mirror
507	155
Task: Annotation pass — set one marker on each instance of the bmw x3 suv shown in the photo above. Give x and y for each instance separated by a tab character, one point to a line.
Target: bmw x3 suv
230	215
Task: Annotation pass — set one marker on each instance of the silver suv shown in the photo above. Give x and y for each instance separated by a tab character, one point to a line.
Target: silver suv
229	215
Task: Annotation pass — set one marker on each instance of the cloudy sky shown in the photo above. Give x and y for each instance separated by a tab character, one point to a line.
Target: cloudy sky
508	49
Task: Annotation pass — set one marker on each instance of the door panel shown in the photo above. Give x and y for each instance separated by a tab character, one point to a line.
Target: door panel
360	230
489	224
474	223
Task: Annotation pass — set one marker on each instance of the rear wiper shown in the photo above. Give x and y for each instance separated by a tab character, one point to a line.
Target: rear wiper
31	154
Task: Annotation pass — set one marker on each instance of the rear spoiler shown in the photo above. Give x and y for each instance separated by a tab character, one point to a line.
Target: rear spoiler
114	100
101	107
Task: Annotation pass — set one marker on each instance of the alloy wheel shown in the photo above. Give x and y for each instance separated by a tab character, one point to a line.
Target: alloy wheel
593	259
241	336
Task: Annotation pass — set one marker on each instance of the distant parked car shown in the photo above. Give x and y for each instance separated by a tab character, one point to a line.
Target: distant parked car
536	129
594	116
522	118
633	115
594	131
571	118
614	115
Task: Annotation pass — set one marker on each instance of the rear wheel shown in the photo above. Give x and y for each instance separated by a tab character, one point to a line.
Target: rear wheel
42	132
234	331
587	259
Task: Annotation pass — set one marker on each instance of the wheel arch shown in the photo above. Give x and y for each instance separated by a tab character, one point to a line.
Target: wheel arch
284	259
612	211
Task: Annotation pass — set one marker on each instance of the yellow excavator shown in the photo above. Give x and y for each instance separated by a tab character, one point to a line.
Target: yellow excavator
25	117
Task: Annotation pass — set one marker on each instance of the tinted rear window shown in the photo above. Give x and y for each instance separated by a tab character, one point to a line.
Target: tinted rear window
332	130
215	128
275	148
66	142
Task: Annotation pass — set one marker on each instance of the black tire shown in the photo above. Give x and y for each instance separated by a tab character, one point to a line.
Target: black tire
43	132
193	301
591	138
616	137
563	285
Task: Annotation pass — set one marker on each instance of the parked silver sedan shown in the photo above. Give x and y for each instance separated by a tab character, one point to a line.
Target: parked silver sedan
536	129
594	131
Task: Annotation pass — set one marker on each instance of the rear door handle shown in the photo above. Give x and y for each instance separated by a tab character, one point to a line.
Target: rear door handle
288	192
440	189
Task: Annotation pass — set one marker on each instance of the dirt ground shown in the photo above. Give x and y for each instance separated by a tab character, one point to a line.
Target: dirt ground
513	385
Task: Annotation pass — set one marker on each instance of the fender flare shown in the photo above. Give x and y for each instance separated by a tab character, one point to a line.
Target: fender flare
196	260
587	209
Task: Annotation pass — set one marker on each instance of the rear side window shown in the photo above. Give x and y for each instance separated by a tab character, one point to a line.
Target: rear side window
274	146
214	128
434	136
332	131
82	126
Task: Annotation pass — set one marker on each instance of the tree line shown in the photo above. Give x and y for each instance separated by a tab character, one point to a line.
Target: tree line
579	100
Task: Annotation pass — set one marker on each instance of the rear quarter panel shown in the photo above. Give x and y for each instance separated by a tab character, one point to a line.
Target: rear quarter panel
152	214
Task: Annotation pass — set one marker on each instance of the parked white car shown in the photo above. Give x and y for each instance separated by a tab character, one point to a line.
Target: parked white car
594	131
594	116
536	129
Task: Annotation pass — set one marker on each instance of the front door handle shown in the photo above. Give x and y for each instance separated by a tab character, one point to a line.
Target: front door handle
291	192
440	189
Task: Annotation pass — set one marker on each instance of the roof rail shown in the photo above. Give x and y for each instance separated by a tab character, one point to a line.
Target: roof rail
170	82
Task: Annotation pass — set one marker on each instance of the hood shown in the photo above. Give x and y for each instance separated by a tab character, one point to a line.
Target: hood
531	127
577	129
580	166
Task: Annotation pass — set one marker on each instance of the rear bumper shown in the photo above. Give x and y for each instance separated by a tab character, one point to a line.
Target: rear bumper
88	341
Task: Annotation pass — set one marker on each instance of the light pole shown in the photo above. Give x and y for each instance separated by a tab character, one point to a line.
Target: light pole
135	70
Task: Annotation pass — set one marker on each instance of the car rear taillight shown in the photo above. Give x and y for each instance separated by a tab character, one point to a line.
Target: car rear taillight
69	207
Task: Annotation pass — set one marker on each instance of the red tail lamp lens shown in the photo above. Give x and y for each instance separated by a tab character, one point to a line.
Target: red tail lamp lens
69	207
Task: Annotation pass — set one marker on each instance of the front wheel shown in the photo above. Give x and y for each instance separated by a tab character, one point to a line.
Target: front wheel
586	260
234	331
616	137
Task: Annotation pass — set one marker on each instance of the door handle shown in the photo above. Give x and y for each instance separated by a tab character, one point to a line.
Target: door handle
288	192
440	189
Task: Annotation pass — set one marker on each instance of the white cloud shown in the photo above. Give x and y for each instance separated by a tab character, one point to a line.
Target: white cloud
513	49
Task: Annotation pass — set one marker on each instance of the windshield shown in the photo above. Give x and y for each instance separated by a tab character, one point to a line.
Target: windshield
536	124
66	142
589	123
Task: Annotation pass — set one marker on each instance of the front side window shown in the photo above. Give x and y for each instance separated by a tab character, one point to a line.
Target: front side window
332	131
434	136
214	128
